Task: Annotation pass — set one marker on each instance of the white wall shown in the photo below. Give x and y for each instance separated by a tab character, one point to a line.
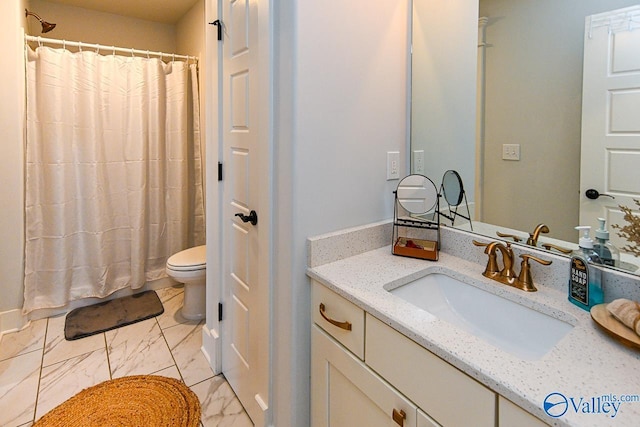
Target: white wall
11	163
341	91
79	24
190	40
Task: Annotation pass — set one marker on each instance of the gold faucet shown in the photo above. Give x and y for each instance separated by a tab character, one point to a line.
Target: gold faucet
533	237
507	275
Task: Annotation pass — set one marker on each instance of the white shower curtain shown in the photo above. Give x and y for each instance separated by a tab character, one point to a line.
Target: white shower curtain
113	173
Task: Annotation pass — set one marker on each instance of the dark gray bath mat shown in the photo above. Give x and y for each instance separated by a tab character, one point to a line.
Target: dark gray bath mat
85	321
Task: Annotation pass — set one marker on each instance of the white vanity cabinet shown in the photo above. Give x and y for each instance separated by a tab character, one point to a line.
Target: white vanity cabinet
449	396
345	392
511	414
368	374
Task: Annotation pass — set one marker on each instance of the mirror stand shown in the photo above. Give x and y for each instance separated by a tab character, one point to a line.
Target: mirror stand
452	190
453	210
416	194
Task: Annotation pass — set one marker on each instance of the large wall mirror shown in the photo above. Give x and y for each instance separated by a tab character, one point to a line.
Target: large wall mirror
496	75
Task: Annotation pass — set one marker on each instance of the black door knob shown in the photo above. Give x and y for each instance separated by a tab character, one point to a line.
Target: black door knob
593	194
252	217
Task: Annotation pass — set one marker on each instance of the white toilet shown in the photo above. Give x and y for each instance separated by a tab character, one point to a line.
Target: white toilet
190	267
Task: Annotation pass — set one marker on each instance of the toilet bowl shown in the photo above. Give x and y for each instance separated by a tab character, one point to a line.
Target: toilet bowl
190	267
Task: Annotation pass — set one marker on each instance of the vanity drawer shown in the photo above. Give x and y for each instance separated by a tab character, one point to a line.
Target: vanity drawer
446	394
340	318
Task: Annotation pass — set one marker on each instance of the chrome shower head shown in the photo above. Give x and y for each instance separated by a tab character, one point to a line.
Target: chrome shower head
46	26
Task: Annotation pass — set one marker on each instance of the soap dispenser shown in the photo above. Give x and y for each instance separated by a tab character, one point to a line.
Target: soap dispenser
585	278
608	253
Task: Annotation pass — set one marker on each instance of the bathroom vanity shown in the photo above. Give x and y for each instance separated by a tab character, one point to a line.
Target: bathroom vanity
378	358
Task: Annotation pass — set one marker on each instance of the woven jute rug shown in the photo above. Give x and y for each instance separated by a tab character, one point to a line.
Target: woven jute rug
140	400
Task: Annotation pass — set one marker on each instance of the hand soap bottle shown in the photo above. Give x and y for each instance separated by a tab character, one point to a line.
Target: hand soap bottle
585	281
608	253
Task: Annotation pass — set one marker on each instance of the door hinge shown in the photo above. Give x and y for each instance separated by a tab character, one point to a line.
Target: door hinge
219	171
219	312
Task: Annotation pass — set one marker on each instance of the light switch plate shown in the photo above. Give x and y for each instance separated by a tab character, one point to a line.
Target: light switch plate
418	161
393	165
510	151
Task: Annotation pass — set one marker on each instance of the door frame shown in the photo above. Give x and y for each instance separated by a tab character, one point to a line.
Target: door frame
211	343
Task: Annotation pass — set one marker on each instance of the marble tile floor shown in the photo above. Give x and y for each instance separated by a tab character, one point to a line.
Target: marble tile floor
39	369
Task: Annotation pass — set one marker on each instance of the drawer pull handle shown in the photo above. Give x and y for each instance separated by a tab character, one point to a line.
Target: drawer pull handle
342	325
399	417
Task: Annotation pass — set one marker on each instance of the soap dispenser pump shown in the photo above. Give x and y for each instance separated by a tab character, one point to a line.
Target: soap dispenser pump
608	253
585	281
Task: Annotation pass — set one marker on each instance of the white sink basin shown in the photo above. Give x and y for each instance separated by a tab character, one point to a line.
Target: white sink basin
519	330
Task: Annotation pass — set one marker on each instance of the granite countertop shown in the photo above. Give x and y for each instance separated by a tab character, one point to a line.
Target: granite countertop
586	366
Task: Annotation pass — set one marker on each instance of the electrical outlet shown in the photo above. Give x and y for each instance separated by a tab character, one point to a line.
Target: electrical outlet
393	165
418	161
510	151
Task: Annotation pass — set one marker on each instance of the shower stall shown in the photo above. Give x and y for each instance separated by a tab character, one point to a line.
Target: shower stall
113	172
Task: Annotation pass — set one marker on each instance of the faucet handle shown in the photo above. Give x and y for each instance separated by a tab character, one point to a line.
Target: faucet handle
549	246
526	257
489	248
524	279
475	242
512	236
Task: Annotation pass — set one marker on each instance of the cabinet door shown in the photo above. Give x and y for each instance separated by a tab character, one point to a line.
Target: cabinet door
509	414
425	420
345	393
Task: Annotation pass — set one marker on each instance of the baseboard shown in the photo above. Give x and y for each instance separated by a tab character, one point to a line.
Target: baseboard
12	321
210	348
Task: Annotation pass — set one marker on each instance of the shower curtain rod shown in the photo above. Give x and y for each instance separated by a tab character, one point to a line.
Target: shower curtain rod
113	49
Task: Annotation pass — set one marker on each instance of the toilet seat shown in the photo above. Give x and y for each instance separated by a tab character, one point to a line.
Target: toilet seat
192	259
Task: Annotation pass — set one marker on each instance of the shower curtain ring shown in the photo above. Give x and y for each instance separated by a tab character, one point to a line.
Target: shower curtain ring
39	41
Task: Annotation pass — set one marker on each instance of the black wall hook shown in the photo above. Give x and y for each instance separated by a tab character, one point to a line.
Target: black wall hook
218	24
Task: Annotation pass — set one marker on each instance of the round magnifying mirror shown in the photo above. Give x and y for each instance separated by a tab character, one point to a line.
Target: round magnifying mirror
417	194
452	187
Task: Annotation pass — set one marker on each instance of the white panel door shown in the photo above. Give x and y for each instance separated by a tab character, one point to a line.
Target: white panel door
610	159
245	320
